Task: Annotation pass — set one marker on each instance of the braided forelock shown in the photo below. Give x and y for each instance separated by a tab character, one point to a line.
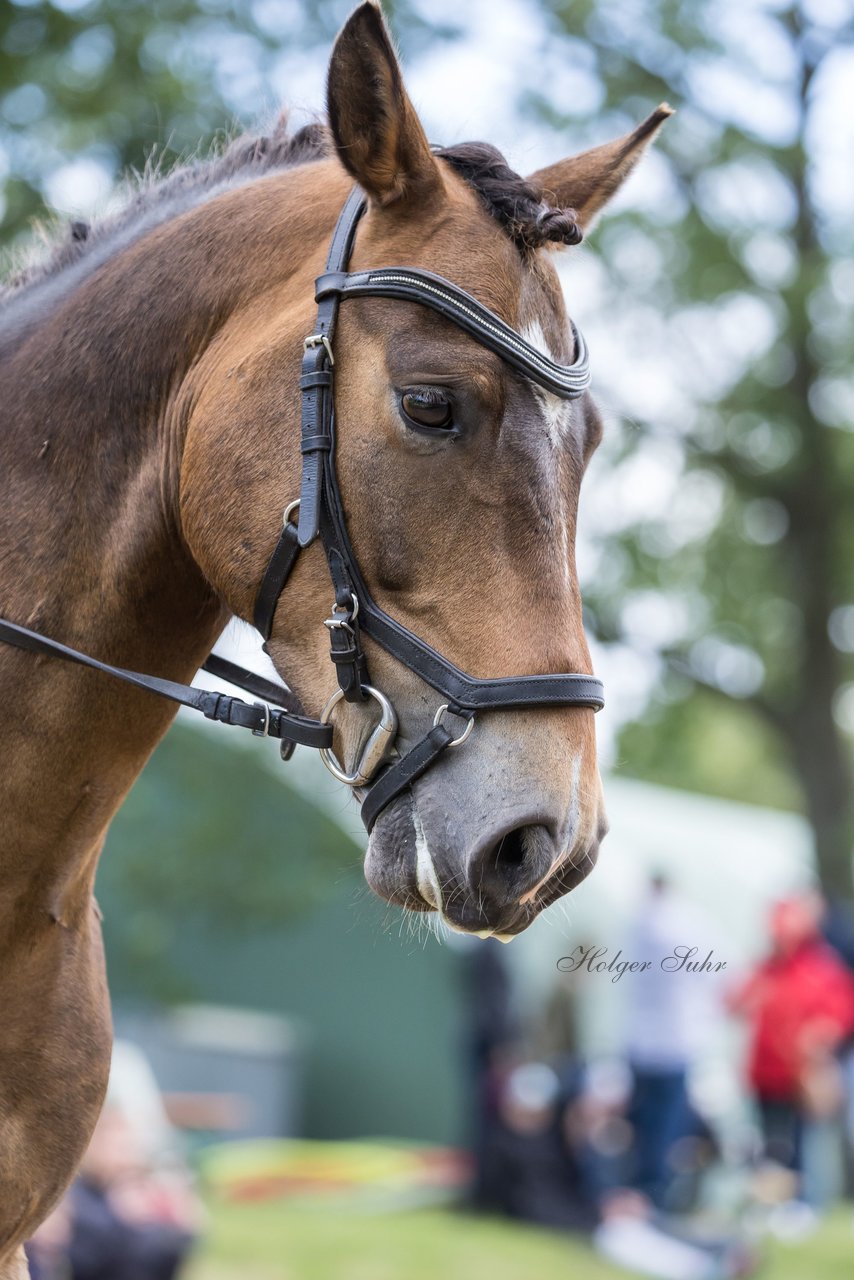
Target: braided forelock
515	203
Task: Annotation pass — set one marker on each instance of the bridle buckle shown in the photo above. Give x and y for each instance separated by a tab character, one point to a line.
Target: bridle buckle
320	340
264	730
343	617
342	622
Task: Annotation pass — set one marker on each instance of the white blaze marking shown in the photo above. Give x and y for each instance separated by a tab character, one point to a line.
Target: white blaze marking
555	410
556	418
429	887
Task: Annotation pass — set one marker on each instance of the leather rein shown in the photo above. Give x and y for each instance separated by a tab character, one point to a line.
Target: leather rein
378	776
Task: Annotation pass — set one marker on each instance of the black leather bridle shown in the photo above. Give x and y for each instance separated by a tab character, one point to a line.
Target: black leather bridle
379	778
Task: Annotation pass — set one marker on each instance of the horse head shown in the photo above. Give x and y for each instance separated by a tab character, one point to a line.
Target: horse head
459	477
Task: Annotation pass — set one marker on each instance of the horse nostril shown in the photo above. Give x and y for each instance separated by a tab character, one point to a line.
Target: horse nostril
510	852
507	868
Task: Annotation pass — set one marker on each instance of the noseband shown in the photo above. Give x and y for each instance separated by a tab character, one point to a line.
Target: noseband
354	611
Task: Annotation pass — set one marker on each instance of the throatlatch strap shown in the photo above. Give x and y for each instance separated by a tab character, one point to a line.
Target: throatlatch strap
276	574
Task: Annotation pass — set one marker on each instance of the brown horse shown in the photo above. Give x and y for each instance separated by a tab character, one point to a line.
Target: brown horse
150	442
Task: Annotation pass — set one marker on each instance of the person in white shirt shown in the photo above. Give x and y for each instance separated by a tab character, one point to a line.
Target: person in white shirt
673	1005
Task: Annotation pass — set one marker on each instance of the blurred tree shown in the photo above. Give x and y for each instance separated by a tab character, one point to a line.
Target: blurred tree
100	86
93	88
739	578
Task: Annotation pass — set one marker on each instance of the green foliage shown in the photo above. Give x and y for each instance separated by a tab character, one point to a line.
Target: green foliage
697	735
109	83
741	287
122	84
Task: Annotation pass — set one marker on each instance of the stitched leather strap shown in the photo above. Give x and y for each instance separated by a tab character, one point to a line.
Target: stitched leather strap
302	730
262	720
397	777
345	650
409	284
316	439
561	690
251	682
316	376
276	574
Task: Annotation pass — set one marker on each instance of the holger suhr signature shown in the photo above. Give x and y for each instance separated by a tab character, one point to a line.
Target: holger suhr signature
595	959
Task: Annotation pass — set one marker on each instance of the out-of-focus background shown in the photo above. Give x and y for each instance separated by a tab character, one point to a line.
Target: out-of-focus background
309	1084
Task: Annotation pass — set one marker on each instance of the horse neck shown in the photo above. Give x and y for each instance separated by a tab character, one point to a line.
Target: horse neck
91	551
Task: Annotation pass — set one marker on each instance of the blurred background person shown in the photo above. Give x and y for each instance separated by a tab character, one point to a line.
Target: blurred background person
543	1174
669	1020
799	1003
536	1175
132	1212
491	1044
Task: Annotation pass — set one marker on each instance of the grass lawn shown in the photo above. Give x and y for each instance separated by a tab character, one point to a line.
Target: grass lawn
275	1242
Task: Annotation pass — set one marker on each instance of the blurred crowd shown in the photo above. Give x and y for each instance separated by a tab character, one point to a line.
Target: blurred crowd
623	1147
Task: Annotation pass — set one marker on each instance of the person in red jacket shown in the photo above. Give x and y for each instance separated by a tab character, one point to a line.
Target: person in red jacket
800	1002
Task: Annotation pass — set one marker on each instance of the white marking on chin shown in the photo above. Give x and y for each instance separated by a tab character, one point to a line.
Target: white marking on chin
431	890
478	933
555	411
467	933
425	871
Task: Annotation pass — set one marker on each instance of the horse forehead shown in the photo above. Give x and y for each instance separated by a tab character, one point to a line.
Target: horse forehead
543	323
542	312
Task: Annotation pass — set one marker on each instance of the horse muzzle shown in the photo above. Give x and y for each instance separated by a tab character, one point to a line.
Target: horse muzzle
483	874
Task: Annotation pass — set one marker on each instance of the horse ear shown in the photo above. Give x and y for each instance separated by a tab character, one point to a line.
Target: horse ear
377	133
587	182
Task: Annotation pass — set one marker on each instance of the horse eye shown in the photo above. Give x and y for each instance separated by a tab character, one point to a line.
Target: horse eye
426	408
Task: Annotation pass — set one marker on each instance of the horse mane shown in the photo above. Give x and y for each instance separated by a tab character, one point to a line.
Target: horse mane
515	204
244	158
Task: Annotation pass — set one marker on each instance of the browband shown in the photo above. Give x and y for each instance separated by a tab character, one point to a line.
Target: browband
409	284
